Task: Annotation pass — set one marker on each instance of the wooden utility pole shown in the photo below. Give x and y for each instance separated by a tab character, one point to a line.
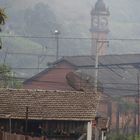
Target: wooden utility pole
138	81
26	122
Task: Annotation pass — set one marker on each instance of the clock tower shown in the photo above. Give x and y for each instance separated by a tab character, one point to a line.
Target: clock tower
99	28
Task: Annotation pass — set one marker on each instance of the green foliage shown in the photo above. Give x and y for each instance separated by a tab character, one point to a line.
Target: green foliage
7	79
40	20
117	137
137	138
114	136
2	16
5	73
124	105
21	45
134	137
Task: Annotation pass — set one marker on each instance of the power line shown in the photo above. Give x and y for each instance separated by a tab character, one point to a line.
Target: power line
65	38
34	54
104	87
46	81
62	83
25	78
88	68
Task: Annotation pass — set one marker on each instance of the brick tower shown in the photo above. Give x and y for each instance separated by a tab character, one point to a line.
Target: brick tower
99	27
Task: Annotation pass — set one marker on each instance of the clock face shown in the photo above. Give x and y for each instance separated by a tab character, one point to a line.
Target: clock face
95	21
104	21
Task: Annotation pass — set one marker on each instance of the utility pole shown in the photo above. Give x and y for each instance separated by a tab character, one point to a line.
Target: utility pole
96	68
41	57
98	47
138	81
99	31
57	33
134	122
38	63
96	74
26	122
10	125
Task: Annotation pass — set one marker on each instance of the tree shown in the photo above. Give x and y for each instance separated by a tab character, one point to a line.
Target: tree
2	16
40	20
126	109
113	136
7	78
2	21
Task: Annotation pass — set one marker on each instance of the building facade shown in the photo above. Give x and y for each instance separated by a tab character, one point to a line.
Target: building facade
57	115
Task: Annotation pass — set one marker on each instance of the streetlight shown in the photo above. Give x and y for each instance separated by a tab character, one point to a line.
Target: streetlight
57	33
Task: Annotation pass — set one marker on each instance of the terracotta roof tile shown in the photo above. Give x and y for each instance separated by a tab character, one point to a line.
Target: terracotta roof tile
46	105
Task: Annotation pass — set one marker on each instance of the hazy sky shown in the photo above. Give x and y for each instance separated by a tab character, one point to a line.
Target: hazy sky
62	3
79	10
124	20
128	8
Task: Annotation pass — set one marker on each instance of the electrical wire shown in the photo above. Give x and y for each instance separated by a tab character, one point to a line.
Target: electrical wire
43	68
118	88
48	81
79	38
34	54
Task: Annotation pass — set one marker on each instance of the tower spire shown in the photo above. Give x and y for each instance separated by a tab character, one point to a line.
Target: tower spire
99	25
100	6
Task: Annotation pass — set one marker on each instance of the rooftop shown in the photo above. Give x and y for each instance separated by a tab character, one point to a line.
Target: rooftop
117	73
48	105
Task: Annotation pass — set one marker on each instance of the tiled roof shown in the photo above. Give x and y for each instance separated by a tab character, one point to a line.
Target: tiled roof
48	105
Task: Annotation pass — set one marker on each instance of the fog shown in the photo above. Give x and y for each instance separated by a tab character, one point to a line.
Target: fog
74	17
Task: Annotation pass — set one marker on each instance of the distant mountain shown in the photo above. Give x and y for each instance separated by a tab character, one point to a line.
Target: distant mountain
13	54
124	21
72	18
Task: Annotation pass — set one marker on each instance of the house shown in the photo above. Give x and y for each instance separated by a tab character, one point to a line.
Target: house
117	76
117	73
52	78
61	114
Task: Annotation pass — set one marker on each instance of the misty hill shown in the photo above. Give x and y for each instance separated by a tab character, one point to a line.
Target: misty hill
72	18
124	20
17	53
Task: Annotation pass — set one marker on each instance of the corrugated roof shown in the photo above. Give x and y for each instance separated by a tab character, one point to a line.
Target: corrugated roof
117	73
120	59
48	105
116	80
81	61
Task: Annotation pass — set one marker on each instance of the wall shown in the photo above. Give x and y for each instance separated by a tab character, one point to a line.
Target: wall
54	79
